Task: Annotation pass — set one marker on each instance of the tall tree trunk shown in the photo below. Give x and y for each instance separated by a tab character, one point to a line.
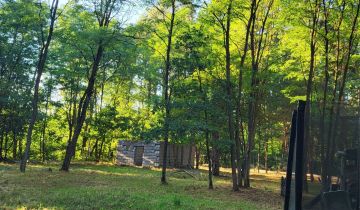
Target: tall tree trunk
307	137
324	103
103	16
229	108
252	105
166	91
39	70
335	74
207	134
238	118
256	52
82	108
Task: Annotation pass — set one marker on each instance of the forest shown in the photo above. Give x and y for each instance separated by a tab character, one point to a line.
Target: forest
77	76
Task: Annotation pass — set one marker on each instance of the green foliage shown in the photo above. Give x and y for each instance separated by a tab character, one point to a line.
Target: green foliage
128	102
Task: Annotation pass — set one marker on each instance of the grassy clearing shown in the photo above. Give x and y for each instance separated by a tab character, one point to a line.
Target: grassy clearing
90	186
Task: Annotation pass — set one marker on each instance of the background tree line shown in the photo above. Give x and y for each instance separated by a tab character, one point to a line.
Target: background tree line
222	75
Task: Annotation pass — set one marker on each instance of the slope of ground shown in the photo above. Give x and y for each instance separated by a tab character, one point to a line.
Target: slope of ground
90	186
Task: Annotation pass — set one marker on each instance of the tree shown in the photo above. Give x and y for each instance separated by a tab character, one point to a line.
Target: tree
256	48
43	54
166	90
17	58
104	13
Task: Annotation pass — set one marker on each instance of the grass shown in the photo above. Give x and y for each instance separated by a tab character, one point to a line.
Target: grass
91	186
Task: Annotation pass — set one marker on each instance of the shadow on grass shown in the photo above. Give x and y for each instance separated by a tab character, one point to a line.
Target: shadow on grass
97	186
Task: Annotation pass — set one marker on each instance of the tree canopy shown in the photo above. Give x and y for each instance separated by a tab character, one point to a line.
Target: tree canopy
222	75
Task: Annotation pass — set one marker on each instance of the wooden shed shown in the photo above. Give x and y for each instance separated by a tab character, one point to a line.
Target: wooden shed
150	153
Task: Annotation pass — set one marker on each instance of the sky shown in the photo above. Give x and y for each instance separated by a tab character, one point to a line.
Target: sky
130	15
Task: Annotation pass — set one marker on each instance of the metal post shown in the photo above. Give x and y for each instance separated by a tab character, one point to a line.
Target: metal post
299	179
358	157
289	168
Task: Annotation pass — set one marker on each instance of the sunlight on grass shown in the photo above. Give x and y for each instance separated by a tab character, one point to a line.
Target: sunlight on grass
90	186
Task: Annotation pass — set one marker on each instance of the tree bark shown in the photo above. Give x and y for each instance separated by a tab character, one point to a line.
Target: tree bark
166	91
15	142
215	156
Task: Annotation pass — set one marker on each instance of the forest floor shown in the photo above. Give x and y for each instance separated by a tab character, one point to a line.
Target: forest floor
104	186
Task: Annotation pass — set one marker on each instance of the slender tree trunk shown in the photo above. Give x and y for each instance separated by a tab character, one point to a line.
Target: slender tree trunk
307	138
258	154
42	146
207	138
104	17
87	128
266	156
197	152
20	146
238	118
252	105
229	97
1	144
256	52
82	108
207	135
39	70
96	148
340	98
6	144
335	74
100	151
166	91
215	156
324	104
15	142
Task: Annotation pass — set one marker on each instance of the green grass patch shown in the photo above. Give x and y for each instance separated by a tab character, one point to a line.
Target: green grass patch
90	186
